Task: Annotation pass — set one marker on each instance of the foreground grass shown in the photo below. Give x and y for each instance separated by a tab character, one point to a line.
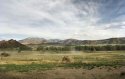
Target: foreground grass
49	66
25	68
35	61
39	65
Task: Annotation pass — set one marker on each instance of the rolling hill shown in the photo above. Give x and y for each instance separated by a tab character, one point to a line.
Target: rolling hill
12	44
33	40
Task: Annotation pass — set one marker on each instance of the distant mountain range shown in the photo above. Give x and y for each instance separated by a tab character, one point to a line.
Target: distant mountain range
120	40
22	44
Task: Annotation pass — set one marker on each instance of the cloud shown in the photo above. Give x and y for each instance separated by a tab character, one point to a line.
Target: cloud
79	19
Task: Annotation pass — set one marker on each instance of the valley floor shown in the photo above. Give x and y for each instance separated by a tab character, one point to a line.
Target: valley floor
45	65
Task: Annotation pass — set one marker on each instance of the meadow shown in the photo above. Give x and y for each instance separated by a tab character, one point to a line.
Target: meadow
27	63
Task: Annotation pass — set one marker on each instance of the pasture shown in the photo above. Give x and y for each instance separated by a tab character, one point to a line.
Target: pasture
49	64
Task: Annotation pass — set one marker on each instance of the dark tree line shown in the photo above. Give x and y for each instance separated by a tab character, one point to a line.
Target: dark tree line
52	48
100	48
82	48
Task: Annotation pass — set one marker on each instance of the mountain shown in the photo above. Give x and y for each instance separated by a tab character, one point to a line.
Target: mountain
33	40
11	44
120	40
112	41
71	42
53	41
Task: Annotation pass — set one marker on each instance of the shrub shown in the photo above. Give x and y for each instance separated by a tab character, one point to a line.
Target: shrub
5	54
66	59
122	74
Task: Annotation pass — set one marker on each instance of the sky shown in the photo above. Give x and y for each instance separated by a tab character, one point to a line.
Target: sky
62	19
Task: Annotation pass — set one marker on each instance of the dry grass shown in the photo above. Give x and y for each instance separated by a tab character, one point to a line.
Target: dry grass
61	73
28	57
99	65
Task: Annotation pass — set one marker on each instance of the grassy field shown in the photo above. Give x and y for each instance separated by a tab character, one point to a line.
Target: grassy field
29	57
27	63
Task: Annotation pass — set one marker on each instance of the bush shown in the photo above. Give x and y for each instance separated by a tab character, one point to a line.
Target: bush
122	74
66	59
5	54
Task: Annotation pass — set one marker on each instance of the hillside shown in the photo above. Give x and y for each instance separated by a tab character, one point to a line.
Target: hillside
33	41
120	40
11	44
106	41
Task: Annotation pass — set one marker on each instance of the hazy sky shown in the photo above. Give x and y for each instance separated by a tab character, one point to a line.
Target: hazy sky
79	19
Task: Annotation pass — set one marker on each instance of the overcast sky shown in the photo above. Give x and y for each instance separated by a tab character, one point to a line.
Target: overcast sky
62	19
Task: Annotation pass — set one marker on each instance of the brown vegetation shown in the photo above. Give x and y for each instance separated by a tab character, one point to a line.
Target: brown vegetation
66	59
95	73
5	54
